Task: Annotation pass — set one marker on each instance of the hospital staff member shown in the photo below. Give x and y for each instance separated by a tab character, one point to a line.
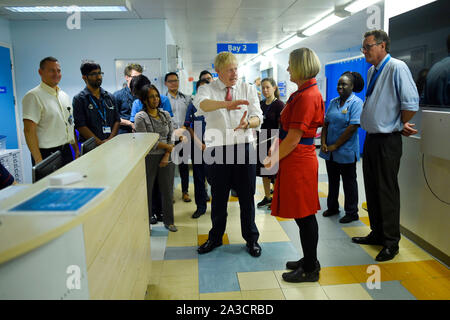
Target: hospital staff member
296	187
340	145
391	102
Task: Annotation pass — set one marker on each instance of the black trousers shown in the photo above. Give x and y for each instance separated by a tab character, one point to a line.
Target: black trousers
348	172
381	163
309	238
199	174
66	153
242	178
183	168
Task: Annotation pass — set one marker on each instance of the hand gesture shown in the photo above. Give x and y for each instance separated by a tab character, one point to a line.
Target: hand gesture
243	123
234	105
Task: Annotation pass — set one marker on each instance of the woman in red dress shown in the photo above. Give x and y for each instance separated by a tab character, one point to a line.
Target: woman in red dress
296	189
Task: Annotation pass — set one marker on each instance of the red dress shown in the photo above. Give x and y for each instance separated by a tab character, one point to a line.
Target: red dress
296	192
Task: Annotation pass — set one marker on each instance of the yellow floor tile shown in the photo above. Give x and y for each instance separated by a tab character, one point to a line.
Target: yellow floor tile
282	219
364	205
273	236
180	268
290	285
322	194
336	275
346	292
365	220
184	237
427	289
305	293
406	271
361	275
267	294
202	238
257	280
234	295
434	268
177	288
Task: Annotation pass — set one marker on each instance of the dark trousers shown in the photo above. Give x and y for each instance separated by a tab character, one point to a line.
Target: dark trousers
183	168
348	172
199	173
156	200
381	162
66	153
165	177
309	237
240	177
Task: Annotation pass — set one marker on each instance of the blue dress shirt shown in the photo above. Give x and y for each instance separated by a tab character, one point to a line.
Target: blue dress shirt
394	91
338	119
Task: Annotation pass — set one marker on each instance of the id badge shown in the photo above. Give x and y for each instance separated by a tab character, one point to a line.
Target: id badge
344	111
106	129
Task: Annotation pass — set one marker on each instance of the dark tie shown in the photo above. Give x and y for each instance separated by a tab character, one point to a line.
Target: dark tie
228	97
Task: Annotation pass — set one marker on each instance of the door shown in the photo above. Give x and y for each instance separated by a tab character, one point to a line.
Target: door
8	125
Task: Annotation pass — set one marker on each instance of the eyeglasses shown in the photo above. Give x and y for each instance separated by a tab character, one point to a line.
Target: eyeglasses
367	47
95	74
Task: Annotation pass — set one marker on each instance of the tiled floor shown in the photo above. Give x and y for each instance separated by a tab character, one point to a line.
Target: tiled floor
349	271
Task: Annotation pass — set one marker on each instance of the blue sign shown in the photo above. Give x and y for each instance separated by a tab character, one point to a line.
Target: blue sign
2	89
238	48
282	88
59	199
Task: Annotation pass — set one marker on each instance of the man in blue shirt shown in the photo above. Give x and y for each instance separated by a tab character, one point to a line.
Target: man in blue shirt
391	101
124	98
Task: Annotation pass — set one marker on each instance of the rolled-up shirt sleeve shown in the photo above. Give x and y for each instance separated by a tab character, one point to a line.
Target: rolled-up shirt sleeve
406	89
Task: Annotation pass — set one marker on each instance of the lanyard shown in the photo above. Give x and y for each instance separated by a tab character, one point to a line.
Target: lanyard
102	115
375	77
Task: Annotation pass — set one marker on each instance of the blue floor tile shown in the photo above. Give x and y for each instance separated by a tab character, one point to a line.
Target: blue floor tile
218	282
181	253
389	290
159	232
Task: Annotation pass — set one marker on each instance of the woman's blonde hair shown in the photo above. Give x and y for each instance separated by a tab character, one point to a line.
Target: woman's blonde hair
223	59
304	64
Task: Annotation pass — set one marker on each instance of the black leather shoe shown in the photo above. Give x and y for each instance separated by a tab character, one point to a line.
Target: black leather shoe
197	214
294	265
153	220
387	253
254	249
349	218
208	246
300	275
370	239
328	213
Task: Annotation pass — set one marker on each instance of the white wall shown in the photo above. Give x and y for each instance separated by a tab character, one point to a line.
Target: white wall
5	33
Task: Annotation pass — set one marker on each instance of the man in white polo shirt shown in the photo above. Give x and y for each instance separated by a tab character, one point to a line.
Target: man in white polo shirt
47	116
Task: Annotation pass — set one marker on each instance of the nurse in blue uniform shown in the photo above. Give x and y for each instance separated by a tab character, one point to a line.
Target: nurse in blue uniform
340	145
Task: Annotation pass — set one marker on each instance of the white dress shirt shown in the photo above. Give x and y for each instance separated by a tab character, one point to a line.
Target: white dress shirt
51	109
220	124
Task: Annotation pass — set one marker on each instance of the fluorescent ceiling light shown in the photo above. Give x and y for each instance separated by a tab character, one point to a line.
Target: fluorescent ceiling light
359	5
43	9
290	42
326	22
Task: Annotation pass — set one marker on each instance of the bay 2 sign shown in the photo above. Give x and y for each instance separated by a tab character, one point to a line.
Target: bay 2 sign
238	48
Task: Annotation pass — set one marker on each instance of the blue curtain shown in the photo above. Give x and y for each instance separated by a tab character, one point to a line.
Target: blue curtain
334	71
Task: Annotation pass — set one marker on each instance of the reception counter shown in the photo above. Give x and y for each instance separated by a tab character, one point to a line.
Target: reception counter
424	180
102	250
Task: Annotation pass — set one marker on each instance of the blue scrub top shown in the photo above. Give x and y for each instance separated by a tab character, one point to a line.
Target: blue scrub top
338	119
137	106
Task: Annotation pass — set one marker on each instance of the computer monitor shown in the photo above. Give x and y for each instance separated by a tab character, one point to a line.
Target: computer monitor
47	166
88	145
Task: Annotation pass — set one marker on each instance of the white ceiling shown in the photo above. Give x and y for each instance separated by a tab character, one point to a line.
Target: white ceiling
197	25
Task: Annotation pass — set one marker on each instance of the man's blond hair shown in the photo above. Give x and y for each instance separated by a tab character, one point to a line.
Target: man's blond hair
223	59
304	64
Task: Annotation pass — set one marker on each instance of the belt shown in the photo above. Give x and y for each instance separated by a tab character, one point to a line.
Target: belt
305	141
384	134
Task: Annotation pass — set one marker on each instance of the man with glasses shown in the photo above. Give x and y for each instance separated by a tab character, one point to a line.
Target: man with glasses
391	101
95	111
179	103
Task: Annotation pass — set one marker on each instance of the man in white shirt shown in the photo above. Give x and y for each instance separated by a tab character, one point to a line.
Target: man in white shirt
48	116
230	108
